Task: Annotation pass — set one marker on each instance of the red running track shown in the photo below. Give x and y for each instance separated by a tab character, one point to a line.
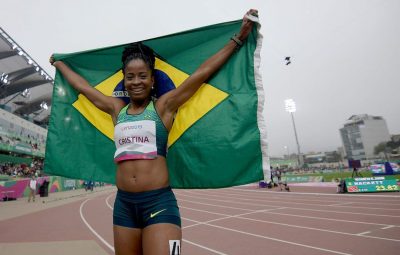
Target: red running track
243	220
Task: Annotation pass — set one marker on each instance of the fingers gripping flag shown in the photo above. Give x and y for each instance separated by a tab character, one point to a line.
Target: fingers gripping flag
218	138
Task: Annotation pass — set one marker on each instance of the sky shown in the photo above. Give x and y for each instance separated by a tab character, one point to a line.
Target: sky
344	54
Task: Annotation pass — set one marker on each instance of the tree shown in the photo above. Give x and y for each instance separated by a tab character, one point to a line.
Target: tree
381	147
386	147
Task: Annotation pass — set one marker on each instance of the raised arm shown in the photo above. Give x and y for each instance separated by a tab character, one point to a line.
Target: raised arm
170	102
105	103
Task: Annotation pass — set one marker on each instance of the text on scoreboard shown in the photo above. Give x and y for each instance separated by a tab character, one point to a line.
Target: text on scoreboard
371	184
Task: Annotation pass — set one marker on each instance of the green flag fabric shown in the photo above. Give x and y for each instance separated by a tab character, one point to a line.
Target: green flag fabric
218	138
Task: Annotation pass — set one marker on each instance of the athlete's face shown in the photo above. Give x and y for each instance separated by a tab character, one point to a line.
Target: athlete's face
138	80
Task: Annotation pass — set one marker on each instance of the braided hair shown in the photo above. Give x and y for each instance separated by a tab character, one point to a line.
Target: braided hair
138	51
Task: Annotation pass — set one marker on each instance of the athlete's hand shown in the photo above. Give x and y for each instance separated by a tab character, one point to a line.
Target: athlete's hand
247	24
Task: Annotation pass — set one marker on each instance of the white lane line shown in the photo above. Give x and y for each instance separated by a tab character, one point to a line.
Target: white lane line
270	211
324	201
240	216
355	198
290	225
273	198
199	210
188	226
227	216
364	233
200	203
91	229
339	204
330	211
291	202
227	201
363	198
220	214
297	208
274	239
185	240
319	229
203	247
319	194
265	198
223	214
390	226
338	220
108	203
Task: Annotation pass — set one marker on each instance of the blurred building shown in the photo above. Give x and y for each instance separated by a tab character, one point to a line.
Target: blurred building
323	157
284	162
360	135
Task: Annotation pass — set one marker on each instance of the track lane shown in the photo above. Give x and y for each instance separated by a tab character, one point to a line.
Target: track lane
235	221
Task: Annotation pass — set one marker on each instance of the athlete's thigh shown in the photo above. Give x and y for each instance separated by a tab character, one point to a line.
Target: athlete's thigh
157	237
127	241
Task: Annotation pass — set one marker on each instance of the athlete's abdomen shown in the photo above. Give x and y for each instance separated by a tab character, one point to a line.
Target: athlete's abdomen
142	175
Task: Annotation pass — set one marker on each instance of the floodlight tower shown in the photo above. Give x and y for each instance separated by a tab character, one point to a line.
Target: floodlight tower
290	107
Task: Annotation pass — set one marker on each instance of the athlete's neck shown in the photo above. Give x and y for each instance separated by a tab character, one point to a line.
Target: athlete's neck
138	106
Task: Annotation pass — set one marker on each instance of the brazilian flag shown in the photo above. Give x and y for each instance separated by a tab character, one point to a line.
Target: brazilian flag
218	138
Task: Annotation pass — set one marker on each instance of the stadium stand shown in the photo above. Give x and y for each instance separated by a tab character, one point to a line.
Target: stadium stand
25	103
25	88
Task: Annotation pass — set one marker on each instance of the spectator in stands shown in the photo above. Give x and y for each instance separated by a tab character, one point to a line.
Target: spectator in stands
32	188
22	170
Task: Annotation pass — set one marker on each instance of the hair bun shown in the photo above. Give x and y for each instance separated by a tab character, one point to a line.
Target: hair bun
138	51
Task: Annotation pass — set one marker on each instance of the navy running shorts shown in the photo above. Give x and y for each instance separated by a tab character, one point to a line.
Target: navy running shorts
141	209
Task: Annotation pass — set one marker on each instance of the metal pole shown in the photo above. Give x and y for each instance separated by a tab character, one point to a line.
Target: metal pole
297	141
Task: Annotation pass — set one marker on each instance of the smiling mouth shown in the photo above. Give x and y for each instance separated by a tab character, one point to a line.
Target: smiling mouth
136	91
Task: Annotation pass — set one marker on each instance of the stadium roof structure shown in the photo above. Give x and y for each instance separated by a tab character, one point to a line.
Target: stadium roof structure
25	88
